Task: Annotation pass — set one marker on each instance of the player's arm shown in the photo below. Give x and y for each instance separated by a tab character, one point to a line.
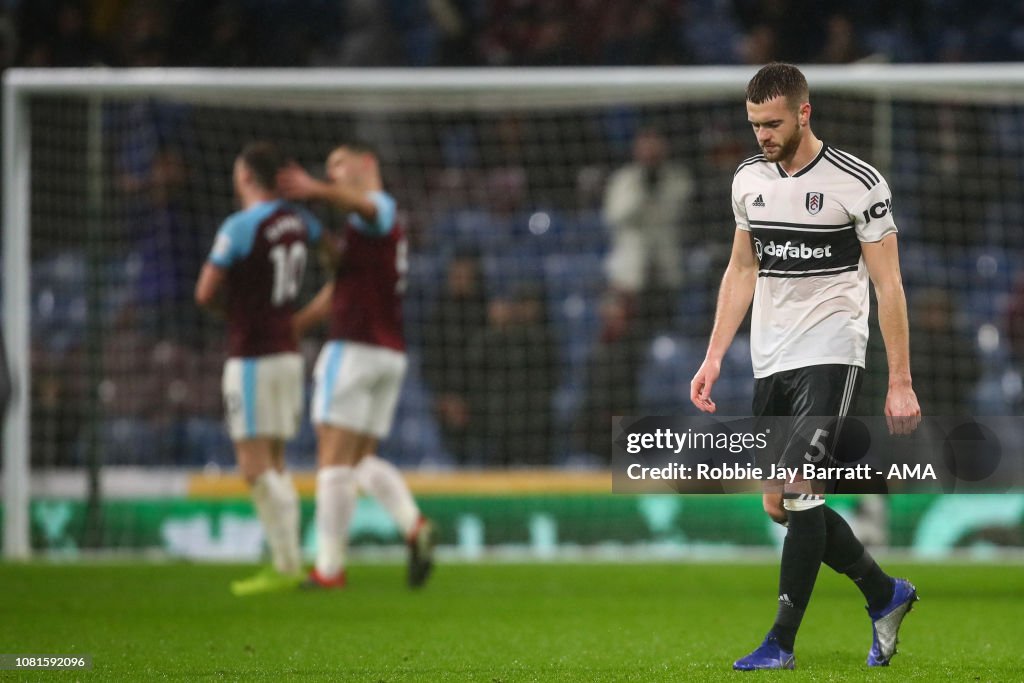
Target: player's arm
882	260
228	248
734	299
315	311
208	286
295	183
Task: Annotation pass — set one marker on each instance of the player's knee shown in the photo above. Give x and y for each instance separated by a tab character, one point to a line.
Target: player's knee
330	457
254	458
773	507
251	471
336	448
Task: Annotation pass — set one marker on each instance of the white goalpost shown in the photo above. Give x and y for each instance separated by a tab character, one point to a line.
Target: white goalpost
565	110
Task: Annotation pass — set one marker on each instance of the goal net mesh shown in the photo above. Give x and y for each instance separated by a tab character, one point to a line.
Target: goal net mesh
531	317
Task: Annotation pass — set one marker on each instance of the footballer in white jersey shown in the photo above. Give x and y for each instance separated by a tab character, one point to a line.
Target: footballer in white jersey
813	224
811	297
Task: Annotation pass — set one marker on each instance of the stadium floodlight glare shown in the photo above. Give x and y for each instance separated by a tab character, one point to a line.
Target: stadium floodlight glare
47	190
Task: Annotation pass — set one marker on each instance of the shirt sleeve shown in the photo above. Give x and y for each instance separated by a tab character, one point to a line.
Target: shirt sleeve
384	222
872	214
739	210
230	245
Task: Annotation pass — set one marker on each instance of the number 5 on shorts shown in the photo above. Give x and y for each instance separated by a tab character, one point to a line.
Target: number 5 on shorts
816	443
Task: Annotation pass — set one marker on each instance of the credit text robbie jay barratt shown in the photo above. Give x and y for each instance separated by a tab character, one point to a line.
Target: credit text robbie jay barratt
707	472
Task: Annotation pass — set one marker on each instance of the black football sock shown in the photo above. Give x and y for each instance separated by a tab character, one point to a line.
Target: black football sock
801	557
846	554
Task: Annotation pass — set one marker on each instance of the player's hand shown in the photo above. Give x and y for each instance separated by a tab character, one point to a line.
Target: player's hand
902	411
294	183
700	385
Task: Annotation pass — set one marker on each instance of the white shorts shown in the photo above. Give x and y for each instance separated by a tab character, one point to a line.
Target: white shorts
357	387
263	396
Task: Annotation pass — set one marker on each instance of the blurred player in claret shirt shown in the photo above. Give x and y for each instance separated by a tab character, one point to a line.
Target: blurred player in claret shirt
253	276
360	369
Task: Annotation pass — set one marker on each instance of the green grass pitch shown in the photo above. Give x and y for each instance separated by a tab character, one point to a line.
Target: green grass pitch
494	623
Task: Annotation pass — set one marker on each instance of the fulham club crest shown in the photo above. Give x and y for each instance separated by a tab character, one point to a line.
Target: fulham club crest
813	202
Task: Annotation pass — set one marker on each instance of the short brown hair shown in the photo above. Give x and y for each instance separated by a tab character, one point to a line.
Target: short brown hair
358	147
778	79
264	160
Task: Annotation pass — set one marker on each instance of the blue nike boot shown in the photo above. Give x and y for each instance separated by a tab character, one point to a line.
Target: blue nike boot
885	623
769	655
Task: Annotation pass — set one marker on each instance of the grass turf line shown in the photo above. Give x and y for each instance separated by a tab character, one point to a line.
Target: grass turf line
498	623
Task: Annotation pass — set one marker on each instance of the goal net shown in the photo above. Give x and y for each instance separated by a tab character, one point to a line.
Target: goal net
567	233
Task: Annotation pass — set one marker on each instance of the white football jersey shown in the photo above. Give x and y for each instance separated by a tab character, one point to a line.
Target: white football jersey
811	300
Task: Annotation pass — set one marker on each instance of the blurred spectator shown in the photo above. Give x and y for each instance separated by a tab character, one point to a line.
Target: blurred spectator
458	318
170	251
710	31
943	362
587	231
508	32
551	43
142	38
760	45
368	37
721	149
787	30
454	209
61	36
60	401
644	207
957	179
131	385
1015	322
513	372
841	42
227	45
508	214
456	23
643	34
520	151
72	43
611	376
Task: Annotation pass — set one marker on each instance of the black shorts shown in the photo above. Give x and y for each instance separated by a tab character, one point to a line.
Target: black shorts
804	408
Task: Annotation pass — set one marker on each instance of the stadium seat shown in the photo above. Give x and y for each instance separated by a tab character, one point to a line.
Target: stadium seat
585	232
506	270
575	283
425	281
671	363
59	287
664	382
734	392
206	443
127	441
300	452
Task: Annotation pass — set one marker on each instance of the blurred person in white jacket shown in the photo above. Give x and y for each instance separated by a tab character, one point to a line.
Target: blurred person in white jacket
644	207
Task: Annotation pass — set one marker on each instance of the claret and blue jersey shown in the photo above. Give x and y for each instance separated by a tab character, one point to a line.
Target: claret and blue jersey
264	250
370	280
